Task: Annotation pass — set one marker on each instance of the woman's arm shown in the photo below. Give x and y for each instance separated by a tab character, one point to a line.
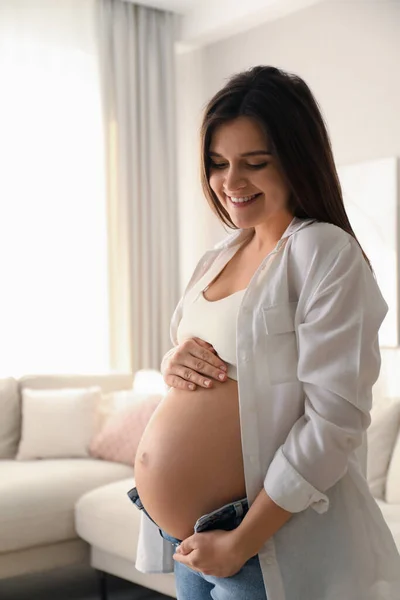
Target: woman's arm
263	519
339	361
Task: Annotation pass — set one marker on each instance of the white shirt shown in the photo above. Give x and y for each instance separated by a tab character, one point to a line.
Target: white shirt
308	356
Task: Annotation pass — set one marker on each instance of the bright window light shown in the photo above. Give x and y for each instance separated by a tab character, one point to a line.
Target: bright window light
53	234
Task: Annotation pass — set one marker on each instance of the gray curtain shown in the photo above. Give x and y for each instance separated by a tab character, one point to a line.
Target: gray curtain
136	61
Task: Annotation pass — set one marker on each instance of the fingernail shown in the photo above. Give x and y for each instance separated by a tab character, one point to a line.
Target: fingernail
223	368
221	376
191	386
207	382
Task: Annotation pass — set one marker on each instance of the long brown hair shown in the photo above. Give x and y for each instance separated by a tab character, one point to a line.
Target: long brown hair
290	116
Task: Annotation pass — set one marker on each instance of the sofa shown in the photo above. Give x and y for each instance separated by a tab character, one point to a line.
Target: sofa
58	512
38	497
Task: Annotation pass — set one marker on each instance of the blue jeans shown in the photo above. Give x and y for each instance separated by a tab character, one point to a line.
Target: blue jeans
247	584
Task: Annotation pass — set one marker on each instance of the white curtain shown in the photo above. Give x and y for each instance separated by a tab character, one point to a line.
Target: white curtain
136	51
53	236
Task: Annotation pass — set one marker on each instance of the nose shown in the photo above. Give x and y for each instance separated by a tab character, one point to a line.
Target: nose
234	181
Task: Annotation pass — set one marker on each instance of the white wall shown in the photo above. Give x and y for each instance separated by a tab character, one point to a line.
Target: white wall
209	22
348	53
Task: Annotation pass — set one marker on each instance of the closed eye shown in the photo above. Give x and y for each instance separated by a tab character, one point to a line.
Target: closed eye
214	165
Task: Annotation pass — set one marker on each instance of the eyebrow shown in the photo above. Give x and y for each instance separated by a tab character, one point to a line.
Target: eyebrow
253	153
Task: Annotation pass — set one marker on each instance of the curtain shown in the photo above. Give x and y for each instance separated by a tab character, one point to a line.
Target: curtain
136	62
53	235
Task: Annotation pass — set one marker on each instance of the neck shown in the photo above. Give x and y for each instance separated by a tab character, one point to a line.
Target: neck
267	235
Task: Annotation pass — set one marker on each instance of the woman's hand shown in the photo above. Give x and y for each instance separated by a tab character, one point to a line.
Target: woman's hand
194	362
212	553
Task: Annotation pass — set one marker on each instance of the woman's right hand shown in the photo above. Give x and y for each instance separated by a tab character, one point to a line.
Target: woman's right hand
194	362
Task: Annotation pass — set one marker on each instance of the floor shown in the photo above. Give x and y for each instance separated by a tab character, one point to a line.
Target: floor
72	583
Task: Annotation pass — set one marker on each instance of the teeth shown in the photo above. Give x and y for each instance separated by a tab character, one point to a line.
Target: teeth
244	199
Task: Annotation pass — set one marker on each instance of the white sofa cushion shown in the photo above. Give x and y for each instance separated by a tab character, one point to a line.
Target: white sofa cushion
58	423
37	498
108	519
10	419
392	495
381	436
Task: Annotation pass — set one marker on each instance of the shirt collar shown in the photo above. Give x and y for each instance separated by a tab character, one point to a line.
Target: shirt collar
241	234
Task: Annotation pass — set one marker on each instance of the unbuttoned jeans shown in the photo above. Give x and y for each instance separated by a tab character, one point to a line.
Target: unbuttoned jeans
247	584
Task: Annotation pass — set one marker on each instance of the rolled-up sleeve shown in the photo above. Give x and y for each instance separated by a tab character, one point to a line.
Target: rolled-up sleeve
338	363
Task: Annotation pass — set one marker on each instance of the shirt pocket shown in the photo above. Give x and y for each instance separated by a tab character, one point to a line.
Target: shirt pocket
282	357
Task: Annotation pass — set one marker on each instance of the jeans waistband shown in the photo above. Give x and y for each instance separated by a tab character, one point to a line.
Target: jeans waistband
226	517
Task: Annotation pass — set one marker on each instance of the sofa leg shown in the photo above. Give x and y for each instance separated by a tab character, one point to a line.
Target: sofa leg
102	578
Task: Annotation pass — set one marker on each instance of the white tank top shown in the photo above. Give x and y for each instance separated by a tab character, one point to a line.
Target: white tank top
212	321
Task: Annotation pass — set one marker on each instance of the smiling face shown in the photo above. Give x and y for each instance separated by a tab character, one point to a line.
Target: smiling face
245	176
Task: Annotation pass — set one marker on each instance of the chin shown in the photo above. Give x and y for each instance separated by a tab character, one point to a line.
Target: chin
245	223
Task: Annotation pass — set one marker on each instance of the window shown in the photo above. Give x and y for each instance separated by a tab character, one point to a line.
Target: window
53	227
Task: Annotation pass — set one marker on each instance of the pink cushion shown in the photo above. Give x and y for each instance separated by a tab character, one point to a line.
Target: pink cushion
119	438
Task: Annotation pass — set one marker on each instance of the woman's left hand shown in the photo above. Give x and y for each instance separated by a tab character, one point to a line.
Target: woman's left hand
214	552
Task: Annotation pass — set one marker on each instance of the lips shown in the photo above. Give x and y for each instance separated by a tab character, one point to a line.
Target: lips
243	204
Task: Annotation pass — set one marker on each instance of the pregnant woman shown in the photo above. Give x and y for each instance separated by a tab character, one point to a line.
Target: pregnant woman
250	475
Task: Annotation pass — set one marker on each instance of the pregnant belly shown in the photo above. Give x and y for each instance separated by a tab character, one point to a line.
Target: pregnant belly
189	460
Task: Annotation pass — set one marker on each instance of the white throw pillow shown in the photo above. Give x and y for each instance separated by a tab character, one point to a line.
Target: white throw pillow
392	495
381	436
58	423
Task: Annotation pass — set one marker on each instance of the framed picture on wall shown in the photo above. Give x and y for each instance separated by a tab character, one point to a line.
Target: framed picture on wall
371	197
